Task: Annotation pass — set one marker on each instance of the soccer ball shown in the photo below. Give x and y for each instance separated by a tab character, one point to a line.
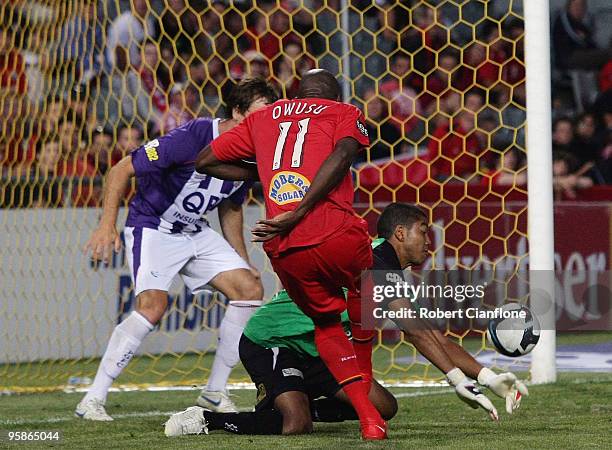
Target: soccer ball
514	336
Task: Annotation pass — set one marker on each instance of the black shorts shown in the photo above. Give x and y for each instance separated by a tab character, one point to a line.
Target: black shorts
279	370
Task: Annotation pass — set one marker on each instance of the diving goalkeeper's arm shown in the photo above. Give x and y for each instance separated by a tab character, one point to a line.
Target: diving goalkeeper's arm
458	365
427	343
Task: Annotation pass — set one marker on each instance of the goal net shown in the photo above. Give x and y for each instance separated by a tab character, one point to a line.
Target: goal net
83	82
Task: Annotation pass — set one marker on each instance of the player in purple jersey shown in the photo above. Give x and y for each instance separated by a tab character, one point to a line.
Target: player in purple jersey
166	235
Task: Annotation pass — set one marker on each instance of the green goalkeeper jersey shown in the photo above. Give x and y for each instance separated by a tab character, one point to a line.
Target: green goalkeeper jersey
280	323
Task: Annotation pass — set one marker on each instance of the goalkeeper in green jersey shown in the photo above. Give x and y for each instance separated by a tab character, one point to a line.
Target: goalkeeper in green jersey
277	349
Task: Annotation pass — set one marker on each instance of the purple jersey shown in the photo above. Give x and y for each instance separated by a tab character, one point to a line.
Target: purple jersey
170	195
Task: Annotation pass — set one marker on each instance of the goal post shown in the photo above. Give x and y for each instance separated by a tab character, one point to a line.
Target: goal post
540	185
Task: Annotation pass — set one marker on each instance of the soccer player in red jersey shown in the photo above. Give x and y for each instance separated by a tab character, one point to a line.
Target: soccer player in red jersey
316	243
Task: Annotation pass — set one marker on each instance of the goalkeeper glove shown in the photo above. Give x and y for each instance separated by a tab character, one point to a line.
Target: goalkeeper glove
504	385
467	391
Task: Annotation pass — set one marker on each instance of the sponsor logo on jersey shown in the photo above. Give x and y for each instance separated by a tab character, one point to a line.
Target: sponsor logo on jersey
152	154
288	187
361	127
393	277
150	150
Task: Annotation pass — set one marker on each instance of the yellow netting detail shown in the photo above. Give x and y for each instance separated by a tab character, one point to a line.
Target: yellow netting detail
83	82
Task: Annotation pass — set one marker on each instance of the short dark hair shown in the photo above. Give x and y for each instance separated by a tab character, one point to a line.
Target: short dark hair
243	94
398	214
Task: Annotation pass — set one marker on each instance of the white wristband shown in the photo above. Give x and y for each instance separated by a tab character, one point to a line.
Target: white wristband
455	376
485	375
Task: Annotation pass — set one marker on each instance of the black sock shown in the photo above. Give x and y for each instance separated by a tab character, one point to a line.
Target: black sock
331	410
259	422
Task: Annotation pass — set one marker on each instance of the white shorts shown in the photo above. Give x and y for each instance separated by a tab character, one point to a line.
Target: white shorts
155	258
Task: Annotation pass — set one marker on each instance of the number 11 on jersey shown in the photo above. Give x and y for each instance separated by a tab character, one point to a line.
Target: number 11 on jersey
296	157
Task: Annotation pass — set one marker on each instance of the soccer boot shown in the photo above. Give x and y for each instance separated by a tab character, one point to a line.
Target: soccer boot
190	421
92	409
216	402
373	430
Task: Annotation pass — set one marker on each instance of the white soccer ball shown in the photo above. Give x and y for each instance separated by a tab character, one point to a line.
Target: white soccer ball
514	336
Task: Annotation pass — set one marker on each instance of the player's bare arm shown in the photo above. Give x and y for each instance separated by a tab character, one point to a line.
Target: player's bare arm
423	338
447	355
105	237
458	355
207	163
434	345
332	172
405	230
231	218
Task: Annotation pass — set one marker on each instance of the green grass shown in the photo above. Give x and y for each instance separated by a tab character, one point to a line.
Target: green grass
575	412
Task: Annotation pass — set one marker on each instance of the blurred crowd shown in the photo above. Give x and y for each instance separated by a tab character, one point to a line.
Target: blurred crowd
84	82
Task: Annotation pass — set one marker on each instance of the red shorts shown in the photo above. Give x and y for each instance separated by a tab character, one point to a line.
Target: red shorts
314	276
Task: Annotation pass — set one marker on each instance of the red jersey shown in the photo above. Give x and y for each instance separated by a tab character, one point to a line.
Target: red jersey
290	140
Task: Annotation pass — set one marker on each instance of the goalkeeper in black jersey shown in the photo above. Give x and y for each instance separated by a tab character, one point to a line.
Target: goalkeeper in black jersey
277	349
294	387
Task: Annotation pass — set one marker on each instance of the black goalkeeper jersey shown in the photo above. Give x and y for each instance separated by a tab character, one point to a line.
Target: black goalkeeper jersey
385	258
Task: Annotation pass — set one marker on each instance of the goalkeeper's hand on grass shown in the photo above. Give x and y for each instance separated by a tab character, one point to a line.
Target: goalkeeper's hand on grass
504	385
467	391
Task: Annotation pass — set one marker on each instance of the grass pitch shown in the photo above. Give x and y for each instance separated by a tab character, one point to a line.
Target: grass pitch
576	412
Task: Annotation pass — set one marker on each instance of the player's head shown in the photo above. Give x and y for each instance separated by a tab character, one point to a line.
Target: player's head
319	83
406	228
248	96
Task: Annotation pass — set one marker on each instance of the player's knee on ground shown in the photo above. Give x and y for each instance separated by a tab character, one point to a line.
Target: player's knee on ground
295	408
296	425
383	401
152	304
